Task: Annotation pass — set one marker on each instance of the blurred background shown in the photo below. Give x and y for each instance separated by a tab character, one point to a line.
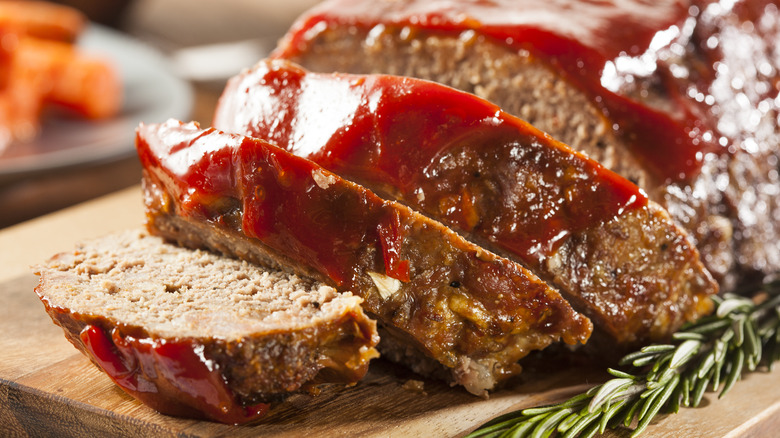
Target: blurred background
196	45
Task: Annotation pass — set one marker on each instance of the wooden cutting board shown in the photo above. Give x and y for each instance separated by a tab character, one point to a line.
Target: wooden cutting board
48	388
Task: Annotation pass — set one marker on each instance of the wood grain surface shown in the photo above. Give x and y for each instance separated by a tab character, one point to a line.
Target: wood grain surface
47	388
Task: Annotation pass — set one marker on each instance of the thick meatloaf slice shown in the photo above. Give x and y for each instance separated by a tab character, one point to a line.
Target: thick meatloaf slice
191	333
679	96
473	312
616	256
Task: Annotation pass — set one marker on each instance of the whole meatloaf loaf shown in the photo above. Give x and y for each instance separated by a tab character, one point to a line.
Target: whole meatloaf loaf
680	96
470	311
616	256
191	333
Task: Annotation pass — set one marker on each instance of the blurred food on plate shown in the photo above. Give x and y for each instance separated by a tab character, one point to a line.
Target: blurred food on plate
43	72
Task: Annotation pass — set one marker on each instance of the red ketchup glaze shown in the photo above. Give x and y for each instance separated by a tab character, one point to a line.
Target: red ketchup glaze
284	205
171	377
580	39
393	134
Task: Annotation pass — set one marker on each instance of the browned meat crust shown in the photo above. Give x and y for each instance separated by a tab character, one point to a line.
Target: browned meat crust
475	313
492	177
722	59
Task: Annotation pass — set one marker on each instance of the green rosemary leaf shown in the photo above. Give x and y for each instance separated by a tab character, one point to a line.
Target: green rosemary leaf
752	345
607	392
676	398
646	360
717	370
684	352
772	352
685	393
682	336
609	413
738	325
655	406
498	424
733	304
639	355
710	327
530	412
592	391
698	391
545	428
706	365
736	371
667	376
632	392
620	374
486	432
662	360
630	414
591	431
576	402
651	392
580	425
727	335
657	348
648	402
769	350
716	349
750	363
525	427
648	351
568	422
768	328
510	416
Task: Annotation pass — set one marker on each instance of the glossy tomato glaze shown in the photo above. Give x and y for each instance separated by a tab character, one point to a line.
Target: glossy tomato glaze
603	47
172	377
320	220
442	149
278	203
458	302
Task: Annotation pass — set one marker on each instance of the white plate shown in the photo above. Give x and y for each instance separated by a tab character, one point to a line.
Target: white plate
152	93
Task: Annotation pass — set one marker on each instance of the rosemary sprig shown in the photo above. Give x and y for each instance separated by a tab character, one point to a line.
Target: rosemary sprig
741	335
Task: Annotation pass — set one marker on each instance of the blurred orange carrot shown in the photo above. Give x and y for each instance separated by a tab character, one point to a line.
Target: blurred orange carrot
64	76
39	67
42	20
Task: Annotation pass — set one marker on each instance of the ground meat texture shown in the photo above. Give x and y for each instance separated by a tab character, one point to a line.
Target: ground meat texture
470	310
494	178
709	75
143	310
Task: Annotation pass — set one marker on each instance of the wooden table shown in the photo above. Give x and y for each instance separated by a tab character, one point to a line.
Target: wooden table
48	388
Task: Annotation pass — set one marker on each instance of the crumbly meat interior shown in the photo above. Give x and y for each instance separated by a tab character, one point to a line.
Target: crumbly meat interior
137	279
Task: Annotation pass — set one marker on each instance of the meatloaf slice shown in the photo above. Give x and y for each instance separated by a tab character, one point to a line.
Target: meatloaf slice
191	333
679	96
616	256
475	313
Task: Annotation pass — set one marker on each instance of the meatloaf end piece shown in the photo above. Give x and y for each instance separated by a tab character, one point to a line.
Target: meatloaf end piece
616	256
677	96
194	334
473	312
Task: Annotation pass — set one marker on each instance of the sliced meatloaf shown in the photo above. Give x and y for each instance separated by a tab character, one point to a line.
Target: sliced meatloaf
679	96
474	313
616	256
191	333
